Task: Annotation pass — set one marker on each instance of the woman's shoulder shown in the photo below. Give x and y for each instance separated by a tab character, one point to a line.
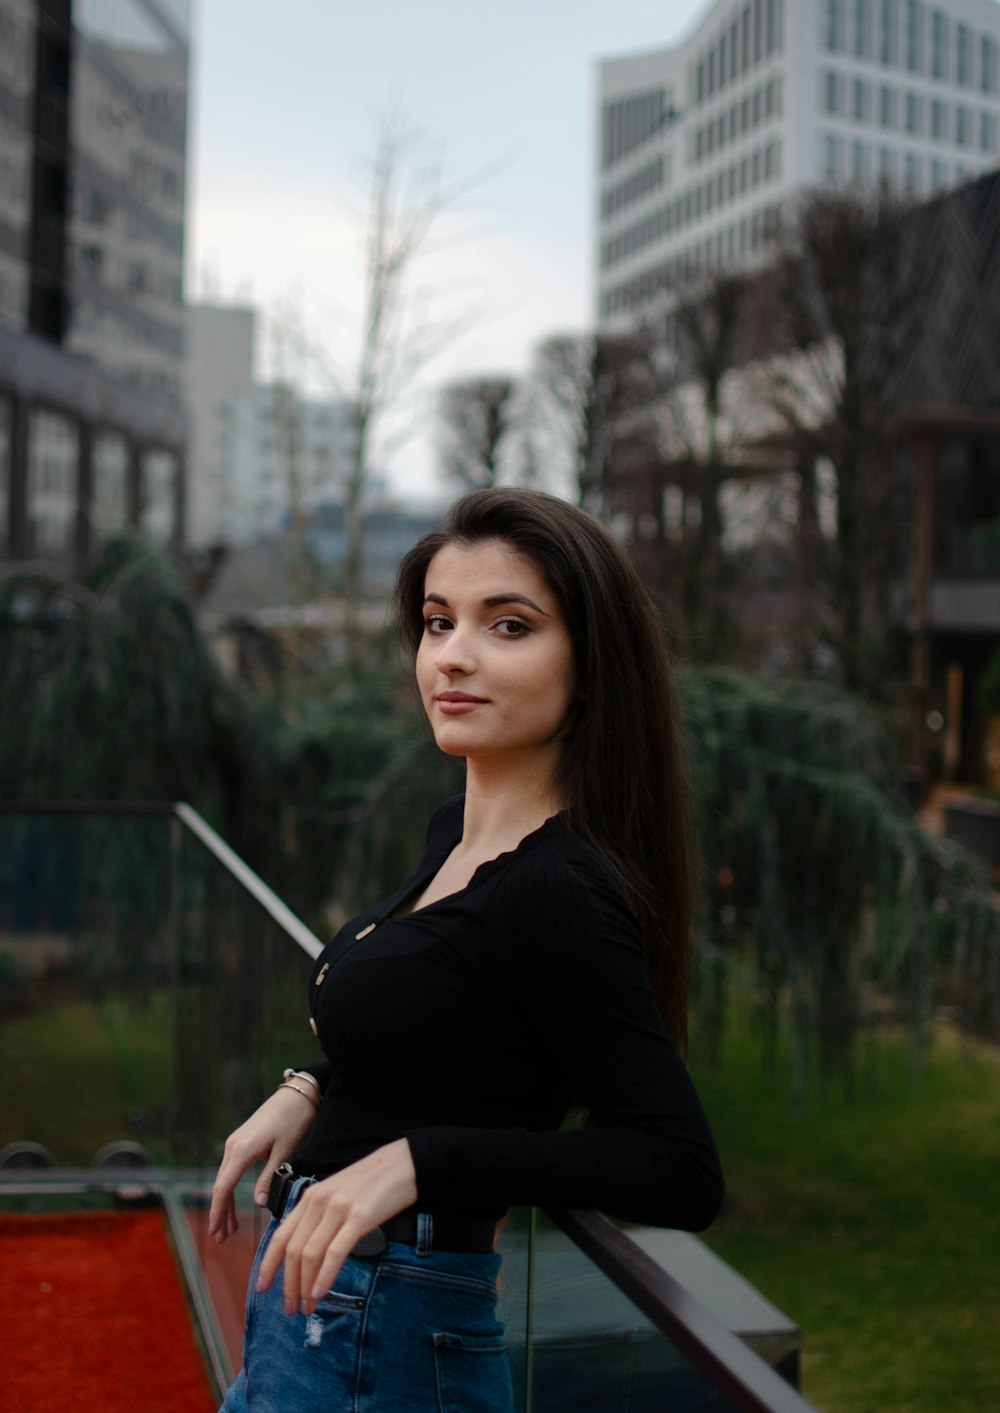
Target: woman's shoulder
560	880
445	820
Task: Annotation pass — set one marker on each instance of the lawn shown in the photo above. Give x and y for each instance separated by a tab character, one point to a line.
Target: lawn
85	1073
874	1224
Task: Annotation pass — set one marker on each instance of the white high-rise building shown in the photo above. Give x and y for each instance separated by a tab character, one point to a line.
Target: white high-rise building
281	453
701	145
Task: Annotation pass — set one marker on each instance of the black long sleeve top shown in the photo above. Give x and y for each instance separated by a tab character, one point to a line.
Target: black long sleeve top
472	1026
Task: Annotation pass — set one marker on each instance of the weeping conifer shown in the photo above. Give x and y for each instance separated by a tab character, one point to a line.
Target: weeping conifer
810	847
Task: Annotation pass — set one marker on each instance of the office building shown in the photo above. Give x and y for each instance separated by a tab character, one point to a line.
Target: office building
93	116
702	145
220	364
282	456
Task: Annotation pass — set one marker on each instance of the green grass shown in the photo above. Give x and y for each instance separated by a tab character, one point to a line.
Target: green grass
70	1075
873	1224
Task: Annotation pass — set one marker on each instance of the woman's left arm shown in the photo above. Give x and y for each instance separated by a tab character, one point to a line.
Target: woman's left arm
319	1233
566	947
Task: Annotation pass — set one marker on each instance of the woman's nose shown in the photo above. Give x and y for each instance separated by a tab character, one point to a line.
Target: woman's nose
456	652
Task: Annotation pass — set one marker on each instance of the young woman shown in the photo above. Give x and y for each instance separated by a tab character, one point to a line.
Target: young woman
537	959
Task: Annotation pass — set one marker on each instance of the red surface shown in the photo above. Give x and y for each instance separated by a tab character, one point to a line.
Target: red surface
93	1317
227	1272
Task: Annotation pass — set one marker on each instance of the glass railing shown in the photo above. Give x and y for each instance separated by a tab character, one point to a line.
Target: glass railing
151	987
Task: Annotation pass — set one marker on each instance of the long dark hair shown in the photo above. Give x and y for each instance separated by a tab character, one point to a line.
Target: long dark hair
621	771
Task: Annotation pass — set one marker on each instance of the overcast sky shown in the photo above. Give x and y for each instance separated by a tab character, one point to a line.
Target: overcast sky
286	106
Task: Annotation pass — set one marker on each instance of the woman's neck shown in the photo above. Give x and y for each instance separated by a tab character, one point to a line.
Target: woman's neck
500	811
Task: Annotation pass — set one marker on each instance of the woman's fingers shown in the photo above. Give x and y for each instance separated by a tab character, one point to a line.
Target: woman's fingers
315	1286
313	1241
316	1237
270	1135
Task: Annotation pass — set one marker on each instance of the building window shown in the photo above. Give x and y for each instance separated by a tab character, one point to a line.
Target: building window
939	45
860	27
758	30
963	134
886	165
963	56
887	31
887	107
913	112
831	162
938	178
860	105
987	64
775	26
914	35
987	132
911	180
832	93
859	162
834	25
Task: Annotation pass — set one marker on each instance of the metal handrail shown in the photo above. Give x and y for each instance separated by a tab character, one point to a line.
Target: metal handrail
699	1335
192	820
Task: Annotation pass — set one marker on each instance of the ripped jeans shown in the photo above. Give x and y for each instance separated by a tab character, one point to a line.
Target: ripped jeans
411	1331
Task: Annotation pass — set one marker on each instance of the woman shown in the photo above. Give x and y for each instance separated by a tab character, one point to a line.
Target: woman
537	959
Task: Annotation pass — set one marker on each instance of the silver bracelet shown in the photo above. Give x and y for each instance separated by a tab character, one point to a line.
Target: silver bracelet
287	1084
304	1074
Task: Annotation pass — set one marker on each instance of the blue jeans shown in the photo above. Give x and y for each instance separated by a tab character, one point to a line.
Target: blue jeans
411	1331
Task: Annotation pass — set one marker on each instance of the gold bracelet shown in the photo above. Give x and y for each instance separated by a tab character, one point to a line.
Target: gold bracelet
287	1084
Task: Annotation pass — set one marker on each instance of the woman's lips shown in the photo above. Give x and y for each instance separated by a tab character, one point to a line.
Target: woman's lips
458	703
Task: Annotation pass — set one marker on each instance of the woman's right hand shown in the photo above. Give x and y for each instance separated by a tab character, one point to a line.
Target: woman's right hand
270	1136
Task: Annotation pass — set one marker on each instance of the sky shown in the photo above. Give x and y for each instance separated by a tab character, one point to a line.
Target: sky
287	103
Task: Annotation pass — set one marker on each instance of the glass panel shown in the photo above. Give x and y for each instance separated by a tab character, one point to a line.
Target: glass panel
84	963
591	1349
148	1001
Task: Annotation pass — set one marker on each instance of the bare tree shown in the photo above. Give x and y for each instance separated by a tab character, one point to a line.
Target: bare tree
475	423
404	326
839	313
692	349
585	384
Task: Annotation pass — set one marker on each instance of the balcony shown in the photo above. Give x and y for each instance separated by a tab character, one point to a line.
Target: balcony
152	987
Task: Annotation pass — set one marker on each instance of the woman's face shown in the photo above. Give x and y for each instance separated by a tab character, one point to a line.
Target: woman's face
495	663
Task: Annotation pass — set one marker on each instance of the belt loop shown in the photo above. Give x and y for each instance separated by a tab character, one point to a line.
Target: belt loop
425	1234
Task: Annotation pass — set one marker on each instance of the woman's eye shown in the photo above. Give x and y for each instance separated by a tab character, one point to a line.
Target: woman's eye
511	628
436	623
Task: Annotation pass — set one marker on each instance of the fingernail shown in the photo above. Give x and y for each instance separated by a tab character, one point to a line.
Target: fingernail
261	1199
289	1308
259	1287
316	1292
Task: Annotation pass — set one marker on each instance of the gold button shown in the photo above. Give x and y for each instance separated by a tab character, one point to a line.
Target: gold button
312	1027
322	975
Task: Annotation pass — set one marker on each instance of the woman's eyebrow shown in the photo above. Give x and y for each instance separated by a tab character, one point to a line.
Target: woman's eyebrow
493	601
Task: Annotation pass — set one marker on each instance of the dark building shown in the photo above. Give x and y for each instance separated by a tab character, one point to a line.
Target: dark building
93	105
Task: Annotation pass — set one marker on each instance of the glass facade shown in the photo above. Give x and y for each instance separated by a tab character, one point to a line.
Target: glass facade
128	119
17	60
109	503
52	481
